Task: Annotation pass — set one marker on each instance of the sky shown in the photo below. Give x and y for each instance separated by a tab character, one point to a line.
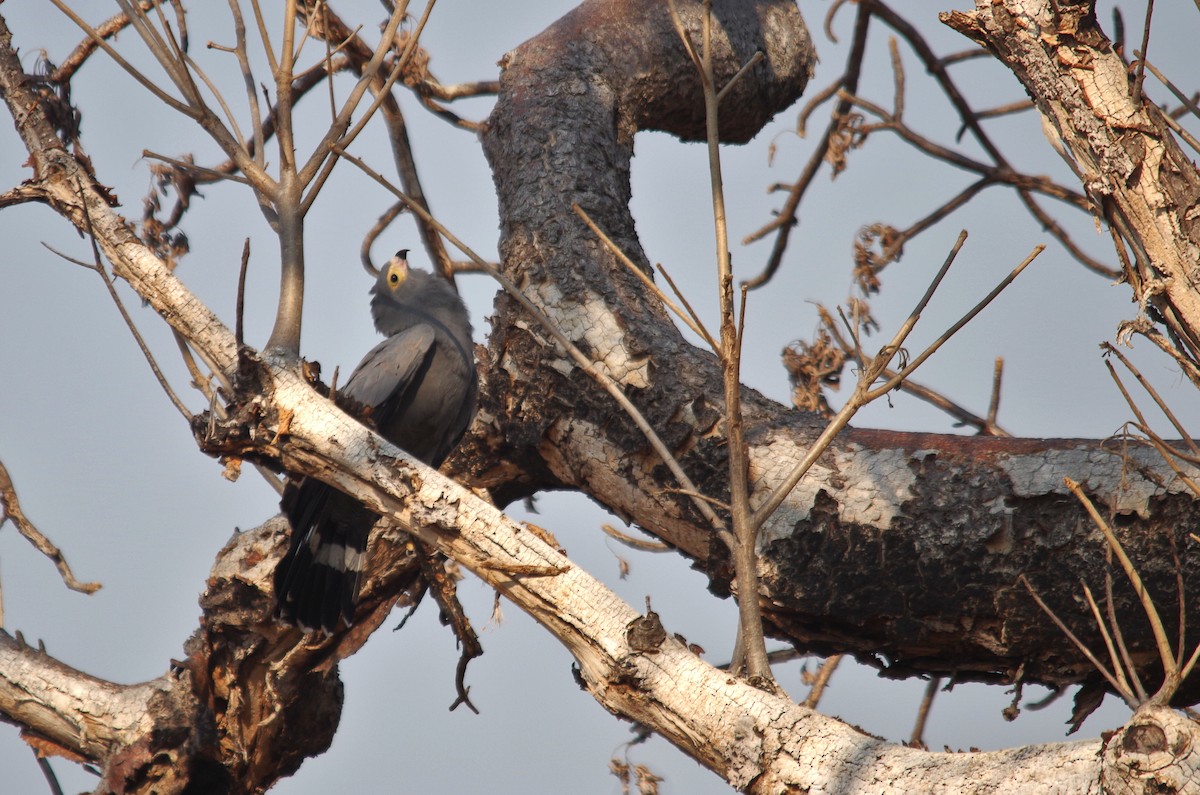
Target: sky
108	470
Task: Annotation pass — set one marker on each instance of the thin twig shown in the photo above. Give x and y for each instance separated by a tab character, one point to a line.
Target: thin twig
1000	174
950	332
824	674
213	175
634	543
98	266
1158	401
1177	128
1126	658
13	512
721	504
264	37
689	318
1117	668
987	426
239	327
1170	669
1129	699
1184	99
685	37
568	347
377	229
1141	54
682	298
1020	106
897	78
917	740
1180	591
243	59
895	245
834	7
449	93
994	403
750	64
1169	455
48	773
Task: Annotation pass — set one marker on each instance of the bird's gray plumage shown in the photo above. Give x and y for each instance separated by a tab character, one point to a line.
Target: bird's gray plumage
419	386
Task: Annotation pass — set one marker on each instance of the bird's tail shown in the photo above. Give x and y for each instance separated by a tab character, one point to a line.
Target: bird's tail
316	582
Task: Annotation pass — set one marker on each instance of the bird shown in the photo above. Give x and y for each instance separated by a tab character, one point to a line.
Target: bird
419	388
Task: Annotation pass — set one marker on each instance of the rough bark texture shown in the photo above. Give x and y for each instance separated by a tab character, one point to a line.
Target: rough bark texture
1119	144
904	549
906	545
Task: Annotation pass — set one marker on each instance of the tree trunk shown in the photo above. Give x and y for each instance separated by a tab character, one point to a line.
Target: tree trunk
904	549
901	544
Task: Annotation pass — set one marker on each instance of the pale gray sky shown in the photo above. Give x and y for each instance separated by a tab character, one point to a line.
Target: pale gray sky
108	469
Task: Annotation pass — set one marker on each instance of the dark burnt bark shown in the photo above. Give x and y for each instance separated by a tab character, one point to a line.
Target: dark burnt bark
902	545
905	549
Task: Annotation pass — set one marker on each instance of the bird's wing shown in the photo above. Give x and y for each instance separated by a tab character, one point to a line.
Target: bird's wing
391	368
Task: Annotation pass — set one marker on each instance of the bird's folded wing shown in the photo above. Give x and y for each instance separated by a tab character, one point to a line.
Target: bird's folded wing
391	367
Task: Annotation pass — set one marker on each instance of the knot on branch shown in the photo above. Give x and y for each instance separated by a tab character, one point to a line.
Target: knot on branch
646	634
1156	751
247	426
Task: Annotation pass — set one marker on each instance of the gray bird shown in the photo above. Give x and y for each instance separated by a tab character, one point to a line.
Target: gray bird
419	388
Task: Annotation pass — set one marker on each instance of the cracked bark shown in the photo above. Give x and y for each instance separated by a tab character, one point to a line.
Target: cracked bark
903	549
903	544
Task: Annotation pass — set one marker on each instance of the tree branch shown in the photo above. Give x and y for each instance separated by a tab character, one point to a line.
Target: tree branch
1118	142
947	523
978	510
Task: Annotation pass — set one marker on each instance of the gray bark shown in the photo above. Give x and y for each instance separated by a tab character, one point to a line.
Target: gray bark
903	549
905	545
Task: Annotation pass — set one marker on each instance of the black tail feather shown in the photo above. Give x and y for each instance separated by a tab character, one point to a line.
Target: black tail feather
316	582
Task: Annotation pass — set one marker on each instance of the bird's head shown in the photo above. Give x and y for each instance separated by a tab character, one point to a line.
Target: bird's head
396	288
393	282
403	296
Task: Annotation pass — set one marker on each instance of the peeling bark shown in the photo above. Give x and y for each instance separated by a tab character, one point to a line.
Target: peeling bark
901	544
903	549
1116	141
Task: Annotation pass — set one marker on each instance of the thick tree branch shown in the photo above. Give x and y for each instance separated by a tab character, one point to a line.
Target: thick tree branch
920	534
1116	140
903	549
80	713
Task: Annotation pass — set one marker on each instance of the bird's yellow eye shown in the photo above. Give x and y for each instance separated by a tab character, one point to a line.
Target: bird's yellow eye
397	272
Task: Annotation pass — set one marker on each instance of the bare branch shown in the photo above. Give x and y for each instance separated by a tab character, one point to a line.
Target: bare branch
567	346
13	513
917	740
821	681
689	317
